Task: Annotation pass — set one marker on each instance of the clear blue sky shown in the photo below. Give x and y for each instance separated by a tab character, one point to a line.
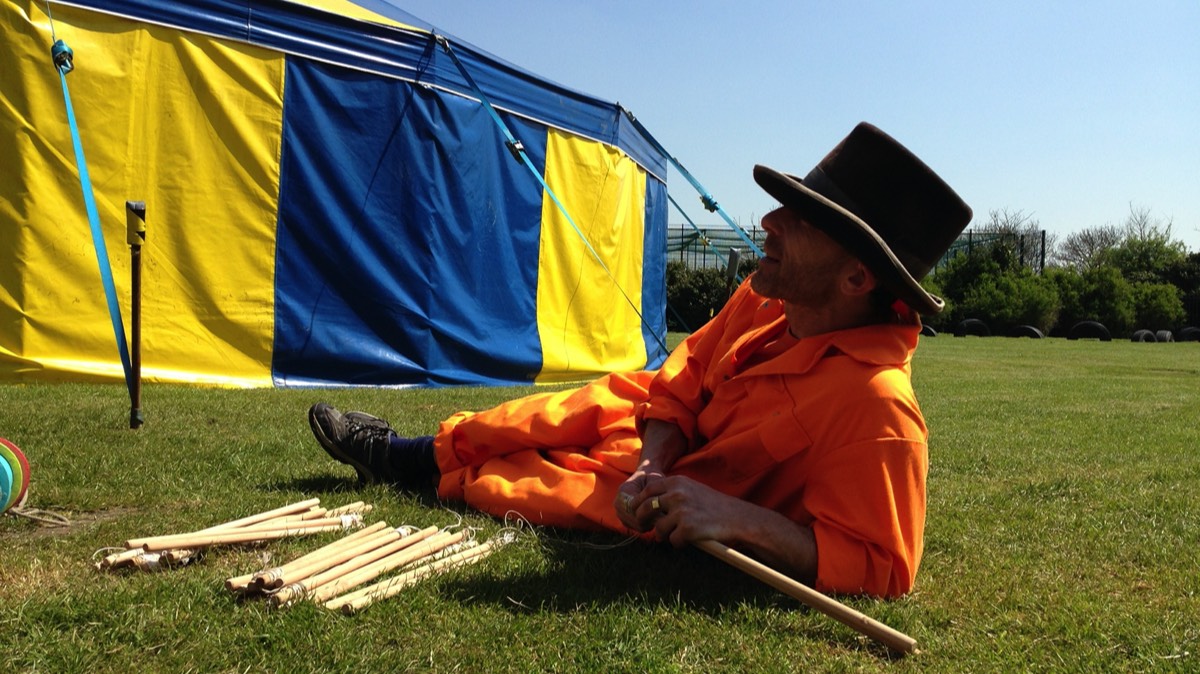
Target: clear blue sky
1071	112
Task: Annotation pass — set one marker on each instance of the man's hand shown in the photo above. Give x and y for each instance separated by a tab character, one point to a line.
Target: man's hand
662	444
689	511
684	511
633	507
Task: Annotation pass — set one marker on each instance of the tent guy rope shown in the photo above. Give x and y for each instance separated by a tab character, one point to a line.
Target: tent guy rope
64	62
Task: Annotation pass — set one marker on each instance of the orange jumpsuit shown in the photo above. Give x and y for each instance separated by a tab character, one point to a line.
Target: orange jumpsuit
825	430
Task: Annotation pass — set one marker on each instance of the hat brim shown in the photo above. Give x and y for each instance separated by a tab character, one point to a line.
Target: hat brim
852	233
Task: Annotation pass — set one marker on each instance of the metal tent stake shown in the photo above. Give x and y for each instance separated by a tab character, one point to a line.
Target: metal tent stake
135	230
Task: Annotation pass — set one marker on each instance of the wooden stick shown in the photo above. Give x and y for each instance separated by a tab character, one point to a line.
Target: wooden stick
243	522
346	521
219	535
361	550
340	557
119	559
360	599
202	540
240	583
429	547
306	516
356	507
289	594
300	515
276	522
897	641
176	555
291	509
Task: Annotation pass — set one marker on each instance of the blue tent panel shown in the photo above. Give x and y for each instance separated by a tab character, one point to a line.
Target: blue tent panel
398	237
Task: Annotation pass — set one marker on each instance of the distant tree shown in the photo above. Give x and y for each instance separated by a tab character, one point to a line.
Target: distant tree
1099	294
1011	298
1022	233
693	295
1107	297
1069	285
1086	248
1146	252
1186	277
1158	306
1185	274
990	282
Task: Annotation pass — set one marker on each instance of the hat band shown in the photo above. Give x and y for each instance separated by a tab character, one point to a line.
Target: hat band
817	181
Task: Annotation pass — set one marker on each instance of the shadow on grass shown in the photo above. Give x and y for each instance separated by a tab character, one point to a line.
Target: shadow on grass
582	568
567	571
639	573
319	485
646	578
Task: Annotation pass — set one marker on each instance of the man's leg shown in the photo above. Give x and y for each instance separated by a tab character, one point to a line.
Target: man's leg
554	458
370	446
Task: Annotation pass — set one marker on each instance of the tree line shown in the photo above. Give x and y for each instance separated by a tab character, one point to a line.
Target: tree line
1128	277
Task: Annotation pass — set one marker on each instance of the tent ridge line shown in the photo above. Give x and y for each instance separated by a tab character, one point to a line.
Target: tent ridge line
248	40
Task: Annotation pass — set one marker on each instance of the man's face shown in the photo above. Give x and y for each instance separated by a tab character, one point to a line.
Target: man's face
800	263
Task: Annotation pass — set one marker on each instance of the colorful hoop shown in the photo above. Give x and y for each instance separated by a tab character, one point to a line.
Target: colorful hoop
19	466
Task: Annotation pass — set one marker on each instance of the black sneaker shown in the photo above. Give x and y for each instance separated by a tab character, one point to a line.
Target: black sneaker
357	439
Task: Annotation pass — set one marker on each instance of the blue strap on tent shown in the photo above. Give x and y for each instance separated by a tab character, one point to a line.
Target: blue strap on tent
705	198
63	62
518	152
699	232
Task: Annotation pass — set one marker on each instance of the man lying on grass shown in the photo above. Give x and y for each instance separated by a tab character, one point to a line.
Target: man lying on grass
786	427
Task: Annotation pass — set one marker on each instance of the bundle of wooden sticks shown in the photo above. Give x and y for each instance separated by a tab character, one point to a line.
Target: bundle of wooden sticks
298	519
341	567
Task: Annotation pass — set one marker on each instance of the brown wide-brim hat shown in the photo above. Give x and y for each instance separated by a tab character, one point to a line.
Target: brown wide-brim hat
883	205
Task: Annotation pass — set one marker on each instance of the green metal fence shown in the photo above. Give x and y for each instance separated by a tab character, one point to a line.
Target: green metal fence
708	247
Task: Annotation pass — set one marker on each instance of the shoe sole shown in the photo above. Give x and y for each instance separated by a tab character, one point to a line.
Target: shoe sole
364	474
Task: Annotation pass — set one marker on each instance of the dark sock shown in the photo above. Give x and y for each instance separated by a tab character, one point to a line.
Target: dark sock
413	459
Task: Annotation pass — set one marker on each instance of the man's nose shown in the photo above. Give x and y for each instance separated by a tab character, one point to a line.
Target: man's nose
769	224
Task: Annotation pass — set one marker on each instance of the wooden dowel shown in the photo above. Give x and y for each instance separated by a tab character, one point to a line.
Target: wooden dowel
119	559
318	565
378	533
360	599
897	641
245	533
291	509
356	507
227	538
346	521
295	573
240	583
353	579
307	515
288	594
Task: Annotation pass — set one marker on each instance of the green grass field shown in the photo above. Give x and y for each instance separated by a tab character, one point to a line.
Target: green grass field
1063	535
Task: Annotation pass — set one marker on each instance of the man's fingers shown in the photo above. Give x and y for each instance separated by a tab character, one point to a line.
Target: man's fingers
628	505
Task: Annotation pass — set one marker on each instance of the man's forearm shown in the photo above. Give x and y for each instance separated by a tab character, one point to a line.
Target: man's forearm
777	541
662	445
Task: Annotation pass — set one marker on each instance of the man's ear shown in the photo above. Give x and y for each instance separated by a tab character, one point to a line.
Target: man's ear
858	279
